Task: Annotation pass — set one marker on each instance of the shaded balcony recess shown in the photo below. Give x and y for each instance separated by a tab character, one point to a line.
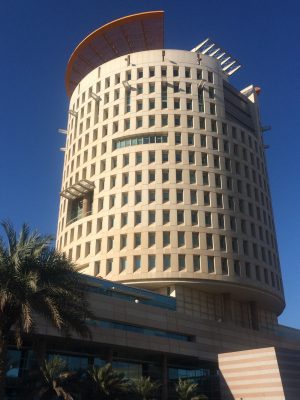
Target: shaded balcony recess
79	189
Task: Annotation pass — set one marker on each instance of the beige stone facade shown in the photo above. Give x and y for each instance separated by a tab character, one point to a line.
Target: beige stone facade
176	195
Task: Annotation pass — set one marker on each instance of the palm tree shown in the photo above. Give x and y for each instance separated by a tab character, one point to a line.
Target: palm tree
36	279
188	390
107	383
53	380
144	389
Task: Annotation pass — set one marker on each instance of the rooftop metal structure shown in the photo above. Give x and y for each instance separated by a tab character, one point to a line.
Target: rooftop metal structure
228	63
137	32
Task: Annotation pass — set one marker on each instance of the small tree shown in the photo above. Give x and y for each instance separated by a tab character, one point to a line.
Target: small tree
144	389
188	390
53	380
36	279
107	383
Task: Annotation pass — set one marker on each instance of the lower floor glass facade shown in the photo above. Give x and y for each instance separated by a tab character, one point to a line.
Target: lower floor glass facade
131	362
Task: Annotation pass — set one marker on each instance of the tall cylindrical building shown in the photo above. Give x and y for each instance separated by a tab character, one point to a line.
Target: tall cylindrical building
164	183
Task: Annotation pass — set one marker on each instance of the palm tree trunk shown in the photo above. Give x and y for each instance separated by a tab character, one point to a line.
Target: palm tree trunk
3	359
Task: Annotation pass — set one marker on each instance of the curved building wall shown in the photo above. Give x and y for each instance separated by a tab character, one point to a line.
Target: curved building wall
180	201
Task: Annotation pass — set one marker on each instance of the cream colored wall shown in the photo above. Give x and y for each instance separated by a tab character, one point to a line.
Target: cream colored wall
89	146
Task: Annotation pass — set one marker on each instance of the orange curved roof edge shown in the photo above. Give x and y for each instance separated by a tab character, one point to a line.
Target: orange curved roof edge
135	22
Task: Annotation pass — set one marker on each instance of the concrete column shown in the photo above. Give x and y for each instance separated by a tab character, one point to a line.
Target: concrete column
164	368
85	204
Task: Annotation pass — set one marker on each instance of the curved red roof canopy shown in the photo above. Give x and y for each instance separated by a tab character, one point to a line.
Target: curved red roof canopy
137	32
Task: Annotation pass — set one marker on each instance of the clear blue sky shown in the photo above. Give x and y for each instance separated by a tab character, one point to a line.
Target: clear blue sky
36	40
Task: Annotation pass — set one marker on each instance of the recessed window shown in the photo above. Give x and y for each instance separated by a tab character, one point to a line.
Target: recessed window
138	197
189	104
151	195
179	195
224	265
202	122
151	217
195	239
188	88
151	72
136	262
209	241
124	219
137	217
177	120
165	175
151	87
140	73
166	261
151	262
109	264
137	239
207	218
196	263
139	88
166	239
178	156
206	198
192	176
222	242
123	263
193	194
180	217
151	176
237	267
164	120
210	264
166	195
175	71
194	217
178	175
181	262
151	120
176	103
191	139
165	156
166	216
181	239
151	156
177	138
